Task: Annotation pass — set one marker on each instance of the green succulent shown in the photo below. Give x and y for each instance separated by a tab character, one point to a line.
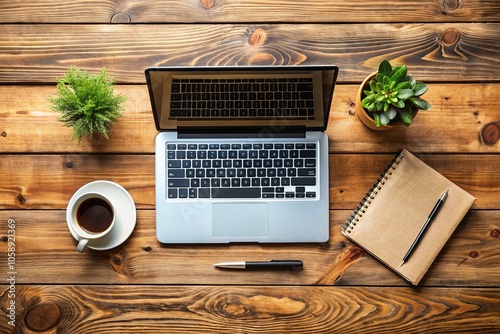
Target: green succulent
393	92
86	102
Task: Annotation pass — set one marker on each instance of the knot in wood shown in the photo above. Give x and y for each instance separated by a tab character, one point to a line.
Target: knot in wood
121	17
21	199
258	37
450	36
450	5
495	233
117	260
207	4
490	133
473	254
43	317
4	134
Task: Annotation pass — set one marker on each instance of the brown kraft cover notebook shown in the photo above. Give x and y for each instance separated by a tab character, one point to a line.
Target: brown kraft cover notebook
391	215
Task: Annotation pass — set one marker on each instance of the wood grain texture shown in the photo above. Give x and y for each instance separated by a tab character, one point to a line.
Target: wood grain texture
445	52
459	114
48	181
470	172
187	11
56	177
29	125
191	309
145	287
470	258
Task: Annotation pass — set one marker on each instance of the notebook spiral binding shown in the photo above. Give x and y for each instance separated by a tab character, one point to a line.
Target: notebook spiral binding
360	209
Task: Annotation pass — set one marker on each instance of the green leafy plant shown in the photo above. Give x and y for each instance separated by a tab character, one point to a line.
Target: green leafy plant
86	102
393	92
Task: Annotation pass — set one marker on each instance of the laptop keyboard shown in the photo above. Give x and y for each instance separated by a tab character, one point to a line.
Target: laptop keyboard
251	97
242	170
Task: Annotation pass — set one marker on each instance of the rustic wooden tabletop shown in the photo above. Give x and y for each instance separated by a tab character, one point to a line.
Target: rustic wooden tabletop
143	286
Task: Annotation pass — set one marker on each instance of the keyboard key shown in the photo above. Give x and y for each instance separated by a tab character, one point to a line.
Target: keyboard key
310	163
236	193
303	181
307	172
307	154
178	182
172	193
204	193
174	164
183	192
176	173
304	87
306	95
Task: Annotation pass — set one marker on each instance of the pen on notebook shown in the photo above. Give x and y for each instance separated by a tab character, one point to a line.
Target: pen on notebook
427	222
273	264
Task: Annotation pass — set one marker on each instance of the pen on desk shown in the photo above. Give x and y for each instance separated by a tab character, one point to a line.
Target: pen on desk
273	264
426	224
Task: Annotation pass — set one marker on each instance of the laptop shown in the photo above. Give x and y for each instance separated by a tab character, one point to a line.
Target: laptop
241	154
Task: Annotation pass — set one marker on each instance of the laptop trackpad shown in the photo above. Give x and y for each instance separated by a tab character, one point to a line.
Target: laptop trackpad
240	220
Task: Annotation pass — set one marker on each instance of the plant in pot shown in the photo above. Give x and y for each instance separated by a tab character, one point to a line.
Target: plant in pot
87	103
390	97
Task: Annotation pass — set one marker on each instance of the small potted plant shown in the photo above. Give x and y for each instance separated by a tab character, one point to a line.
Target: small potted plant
87	103
390	97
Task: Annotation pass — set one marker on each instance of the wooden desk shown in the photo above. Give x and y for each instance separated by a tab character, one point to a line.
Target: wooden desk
143	286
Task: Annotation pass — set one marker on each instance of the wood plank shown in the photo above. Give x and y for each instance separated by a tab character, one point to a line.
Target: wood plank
458	118
476	174
48	181
189	309
187	11
29	125
459	114
46	254
434	52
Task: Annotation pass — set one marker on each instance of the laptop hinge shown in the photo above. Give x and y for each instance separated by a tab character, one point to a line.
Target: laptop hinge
289	132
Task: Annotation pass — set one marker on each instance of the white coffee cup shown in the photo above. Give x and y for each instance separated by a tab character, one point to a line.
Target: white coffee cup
91	216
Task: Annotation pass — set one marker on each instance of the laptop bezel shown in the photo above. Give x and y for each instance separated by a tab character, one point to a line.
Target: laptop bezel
333	69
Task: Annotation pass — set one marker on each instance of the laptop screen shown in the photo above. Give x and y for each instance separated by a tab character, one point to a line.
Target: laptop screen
227	98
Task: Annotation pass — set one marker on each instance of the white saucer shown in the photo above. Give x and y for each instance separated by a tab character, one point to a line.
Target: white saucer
125	213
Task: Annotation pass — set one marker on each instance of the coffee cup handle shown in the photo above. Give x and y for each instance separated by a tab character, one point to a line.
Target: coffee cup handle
81	245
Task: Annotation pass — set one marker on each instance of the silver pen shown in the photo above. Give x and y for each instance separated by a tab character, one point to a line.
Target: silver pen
273	264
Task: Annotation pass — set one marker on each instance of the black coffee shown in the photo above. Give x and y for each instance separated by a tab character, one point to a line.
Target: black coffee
94	215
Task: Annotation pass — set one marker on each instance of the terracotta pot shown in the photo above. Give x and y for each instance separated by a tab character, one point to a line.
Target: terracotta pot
366	117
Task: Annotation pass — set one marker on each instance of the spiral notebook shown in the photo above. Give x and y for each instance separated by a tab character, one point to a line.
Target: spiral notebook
391	215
